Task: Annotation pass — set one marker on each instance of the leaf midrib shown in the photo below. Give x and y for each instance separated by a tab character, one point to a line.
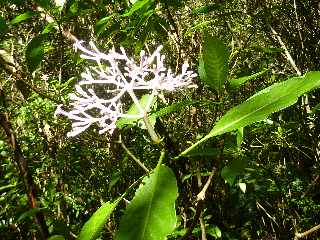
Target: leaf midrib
152	197
252	112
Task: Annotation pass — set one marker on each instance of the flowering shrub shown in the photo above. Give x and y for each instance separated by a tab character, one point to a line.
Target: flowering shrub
118	75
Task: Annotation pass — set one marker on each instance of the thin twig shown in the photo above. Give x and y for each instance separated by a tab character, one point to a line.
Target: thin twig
288	55
202	194
133	156
199	205
203	228
306	233
22	166
298	23
154	136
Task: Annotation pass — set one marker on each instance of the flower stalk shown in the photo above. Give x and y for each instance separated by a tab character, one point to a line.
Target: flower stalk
99	97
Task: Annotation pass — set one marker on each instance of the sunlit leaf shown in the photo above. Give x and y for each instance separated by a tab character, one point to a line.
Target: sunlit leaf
92	228
102	24
239	81
136	6
22	17
215	59
49	27
151	214
214	231
198	26
201	70
243	187
258	107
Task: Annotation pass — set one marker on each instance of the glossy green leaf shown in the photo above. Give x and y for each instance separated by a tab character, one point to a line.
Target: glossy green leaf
3	26
133	110
92	228
35	52
151	214
258	107
136	6
239	81
215	58
22	17
232	170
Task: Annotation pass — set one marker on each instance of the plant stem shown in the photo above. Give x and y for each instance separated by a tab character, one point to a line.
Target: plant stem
154	136
134	157
306	233
23	167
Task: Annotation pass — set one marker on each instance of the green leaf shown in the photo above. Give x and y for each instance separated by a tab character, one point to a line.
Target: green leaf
29	213
56	237
201	70
198	26
173	108
23	17
116	176
3	26
214	231
215	57
102	24
49	27
133	110
35	53
146	30
7	187
239	81
92	228
234	169
315	109
136	6
151	214
258	107
206	9
239	137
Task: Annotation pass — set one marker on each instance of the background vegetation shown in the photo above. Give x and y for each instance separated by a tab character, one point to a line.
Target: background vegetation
264	178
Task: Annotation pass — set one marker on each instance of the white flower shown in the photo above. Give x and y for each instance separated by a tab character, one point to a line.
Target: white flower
99	95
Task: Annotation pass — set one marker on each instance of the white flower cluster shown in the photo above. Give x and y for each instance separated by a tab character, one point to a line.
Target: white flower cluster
100	93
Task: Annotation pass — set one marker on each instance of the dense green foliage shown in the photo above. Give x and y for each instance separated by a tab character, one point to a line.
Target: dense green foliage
238	157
